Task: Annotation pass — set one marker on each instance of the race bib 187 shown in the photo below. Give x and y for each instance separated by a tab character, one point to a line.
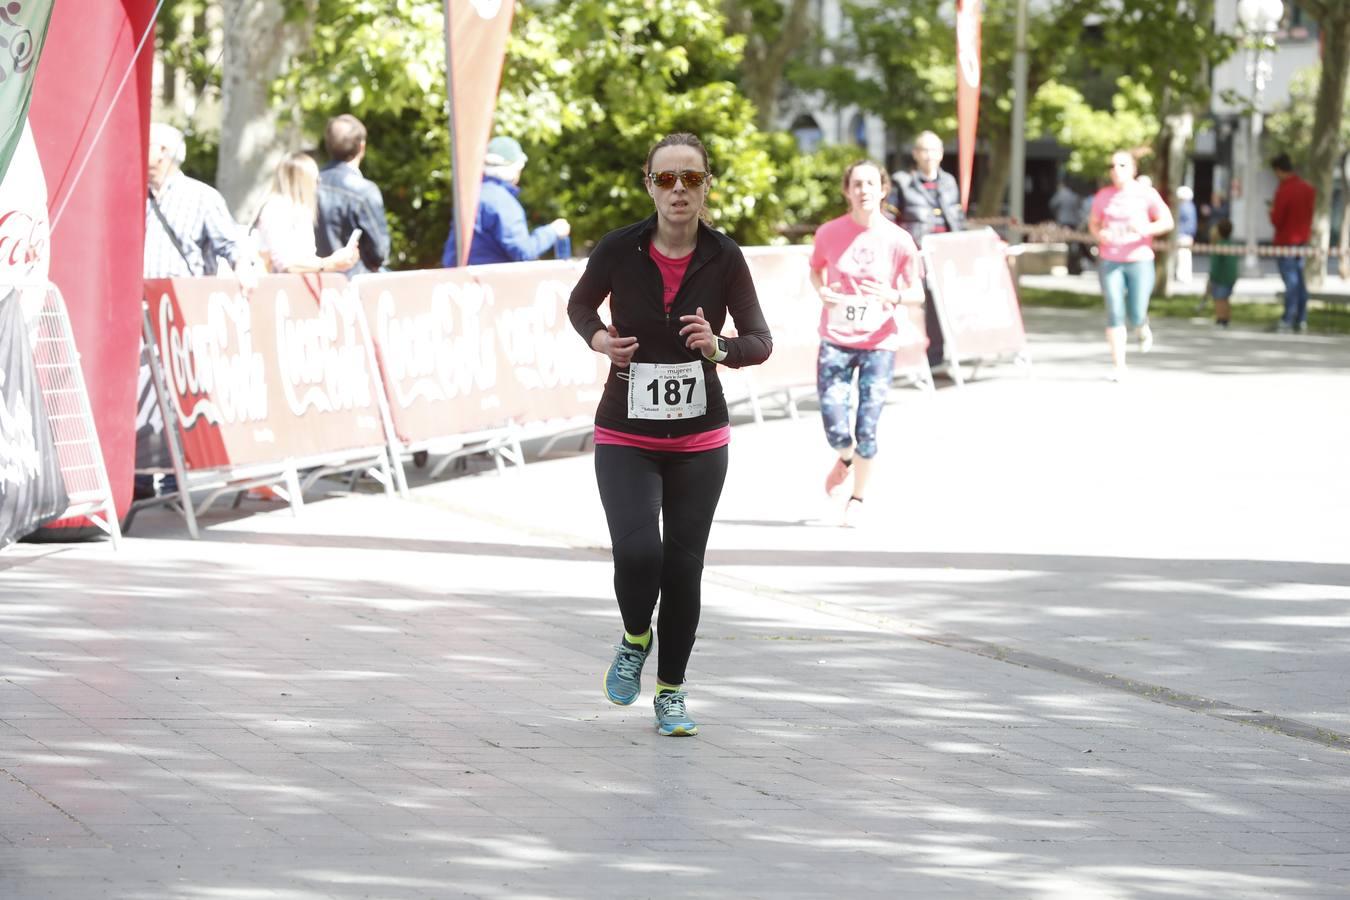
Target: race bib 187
666	391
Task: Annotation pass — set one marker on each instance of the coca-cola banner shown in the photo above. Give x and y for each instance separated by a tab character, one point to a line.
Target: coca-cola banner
976	299
282	373
32	490
470	350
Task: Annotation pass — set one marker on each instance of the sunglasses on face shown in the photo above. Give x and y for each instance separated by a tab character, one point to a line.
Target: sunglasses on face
688	177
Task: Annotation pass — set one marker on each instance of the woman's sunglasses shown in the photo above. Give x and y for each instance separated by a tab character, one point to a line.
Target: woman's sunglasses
688	177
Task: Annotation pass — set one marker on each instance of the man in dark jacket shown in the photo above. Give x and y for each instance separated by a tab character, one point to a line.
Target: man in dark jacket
926	200
347	201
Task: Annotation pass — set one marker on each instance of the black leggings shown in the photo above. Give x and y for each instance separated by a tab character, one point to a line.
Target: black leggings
643	490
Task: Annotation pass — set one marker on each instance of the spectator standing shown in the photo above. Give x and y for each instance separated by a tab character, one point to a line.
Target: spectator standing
285	226
927	201
863	266
1188	225
347	201
1223	274
1067	208
188	231
661	428
1126	215
1291	212
188	227
500	232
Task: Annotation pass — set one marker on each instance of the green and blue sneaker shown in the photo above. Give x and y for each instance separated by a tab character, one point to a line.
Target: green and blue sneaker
672	718
623	678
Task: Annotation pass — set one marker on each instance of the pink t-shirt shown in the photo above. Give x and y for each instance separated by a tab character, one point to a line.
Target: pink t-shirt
672	273
850	254
1129	210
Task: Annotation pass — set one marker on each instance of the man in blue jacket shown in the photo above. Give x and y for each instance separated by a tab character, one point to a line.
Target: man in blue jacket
499	230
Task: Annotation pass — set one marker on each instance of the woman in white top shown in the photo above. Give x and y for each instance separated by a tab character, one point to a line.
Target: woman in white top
285	226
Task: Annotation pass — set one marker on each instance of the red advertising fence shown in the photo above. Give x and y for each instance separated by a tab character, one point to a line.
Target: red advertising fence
282	374
312	370
472	350
976	299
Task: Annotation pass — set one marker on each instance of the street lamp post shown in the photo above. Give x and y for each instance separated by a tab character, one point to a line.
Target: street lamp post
1259	20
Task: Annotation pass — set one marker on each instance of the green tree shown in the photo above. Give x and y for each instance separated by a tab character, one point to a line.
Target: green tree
1092	135
594	83
385	64
1325	148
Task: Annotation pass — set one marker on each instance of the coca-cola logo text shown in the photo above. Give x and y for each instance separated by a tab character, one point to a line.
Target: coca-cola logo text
540	345
23	243
214	373
323	356
443	353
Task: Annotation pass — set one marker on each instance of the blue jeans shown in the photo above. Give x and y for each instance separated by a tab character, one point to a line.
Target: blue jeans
1295	290
834	383
1126	286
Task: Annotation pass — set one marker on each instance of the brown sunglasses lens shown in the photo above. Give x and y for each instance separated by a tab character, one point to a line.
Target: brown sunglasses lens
666	180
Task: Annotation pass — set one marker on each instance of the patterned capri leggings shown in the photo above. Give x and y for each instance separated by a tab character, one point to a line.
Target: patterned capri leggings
834	383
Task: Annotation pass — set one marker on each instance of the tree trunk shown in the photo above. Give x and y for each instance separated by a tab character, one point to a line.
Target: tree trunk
259	44
994	184
1325	150
764	61
1175	138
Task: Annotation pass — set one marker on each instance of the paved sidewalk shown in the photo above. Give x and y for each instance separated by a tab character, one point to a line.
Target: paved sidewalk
1093	645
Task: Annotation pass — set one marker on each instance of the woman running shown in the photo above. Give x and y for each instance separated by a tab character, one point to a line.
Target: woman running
1126	216
661	429
863	266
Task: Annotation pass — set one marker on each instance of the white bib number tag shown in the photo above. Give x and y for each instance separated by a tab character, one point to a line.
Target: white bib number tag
666	391
855	314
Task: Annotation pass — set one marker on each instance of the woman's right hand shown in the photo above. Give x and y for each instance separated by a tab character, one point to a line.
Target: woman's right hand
620	350
341	259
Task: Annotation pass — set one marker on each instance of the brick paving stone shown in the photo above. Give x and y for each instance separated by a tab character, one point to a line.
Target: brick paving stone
402	698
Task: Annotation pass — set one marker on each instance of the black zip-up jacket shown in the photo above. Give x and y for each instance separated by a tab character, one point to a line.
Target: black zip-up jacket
717	279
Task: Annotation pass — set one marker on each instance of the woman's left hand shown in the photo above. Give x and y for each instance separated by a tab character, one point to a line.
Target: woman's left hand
698	334
875	290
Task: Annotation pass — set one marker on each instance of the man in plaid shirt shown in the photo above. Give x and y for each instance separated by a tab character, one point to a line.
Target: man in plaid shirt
187	224
188	228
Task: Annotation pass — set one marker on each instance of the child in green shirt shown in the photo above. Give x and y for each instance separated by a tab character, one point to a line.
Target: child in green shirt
1223	274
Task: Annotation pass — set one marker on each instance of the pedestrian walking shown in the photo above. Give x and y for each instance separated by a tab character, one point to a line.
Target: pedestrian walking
1126	216
661	427
1291	212
1188	226
863	266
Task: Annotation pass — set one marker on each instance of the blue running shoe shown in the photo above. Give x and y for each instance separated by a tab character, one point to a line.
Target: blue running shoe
672	719
623	678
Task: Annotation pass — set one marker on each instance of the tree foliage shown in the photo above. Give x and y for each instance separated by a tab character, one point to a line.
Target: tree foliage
593	84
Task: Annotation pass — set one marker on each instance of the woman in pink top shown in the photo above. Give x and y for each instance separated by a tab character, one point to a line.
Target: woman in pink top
1125	218
863	266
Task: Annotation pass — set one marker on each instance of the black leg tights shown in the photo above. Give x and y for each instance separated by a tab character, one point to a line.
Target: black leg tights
642	491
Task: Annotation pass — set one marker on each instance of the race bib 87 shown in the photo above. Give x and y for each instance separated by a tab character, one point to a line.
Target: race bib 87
666	391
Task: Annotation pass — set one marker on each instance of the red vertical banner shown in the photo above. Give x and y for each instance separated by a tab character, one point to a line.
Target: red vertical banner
90	115
967	89
475	36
